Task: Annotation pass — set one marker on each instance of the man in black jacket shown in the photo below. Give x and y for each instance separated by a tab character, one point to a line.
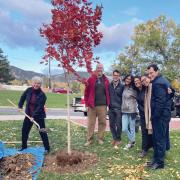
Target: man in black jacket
115	120
35	101
160	114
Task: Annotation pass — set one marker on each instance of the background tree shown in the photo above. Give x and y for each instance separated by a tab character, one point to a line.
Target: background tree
157	41
71	36
5	74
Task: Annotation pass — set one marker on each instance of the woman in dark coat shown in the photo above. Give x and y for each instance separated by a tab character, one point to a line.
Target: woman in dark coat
35	100
146	137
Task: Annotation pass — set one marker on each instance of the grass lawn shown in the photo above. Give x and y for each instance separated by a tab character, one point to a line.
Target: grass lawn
114	164
53	100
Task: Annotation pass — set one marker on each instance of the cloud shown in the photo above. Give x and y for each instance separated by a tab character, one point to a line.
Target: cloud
20	22
131	11
37	9
117	36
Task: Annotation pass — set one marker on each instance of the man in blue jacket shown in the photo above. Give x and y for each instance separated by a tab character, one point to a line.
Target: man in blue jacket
160	114
115	120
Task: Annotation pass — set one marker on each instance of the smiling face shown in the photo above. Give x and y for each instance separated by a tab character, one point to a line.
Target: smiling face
152	73
36	84
116	76
145	81
128	80
137	83
99	69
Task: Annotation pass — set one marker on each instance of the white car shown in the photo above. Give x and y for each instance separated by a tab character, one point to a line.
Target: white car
79	105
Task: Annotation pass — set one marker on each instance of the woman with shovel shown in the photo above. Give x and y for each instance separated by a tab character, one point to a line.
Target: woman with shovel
34	113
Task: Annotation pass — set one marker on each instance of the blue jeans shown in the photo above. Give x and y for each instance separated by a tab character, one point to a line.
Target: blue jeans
128	125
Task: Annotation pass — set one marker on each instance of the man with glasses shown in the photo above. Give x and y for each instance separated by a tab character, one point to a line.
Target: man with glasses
96	98
115	117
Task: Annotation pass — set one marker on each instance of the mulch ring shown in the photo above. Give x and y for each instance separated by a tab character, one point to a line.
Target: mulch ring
16	167
78	161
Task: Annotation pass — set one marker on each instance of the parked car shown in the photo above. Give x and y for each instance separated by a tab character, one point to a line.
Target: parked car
79	105
60	90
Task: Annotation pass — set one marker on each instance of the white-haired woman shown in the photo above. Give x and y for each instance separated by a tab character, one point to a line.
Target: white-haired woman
35	100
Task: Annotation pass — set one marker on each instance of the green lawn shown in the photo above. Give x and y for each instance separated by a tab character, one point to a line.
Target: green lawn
114	164
53	100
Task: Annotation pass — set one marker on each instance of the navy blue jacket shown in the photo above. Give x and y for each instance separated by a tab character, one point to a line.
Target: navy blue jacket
160	99
39	111
115	95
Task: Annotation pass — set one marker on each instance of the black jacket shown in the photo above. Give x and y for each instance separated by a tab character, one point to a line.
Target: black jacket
39	111
115	95
140	101
160	99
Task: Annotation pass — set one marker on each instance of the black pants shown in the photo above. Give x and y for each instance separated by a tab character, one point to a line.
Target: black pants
147	141
168	144
27	125
115	121
159	139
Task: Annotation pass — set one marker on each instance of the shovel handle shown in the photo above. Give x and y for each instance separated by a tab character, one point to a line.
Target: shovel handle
22	112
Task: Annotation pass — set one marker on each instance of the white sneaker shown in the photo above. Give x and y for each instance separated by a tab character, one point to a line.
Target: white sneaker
129	145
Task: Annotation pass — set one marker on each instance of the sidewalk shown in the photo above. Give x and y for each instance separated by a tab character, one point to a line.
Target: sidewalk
82	121
174	124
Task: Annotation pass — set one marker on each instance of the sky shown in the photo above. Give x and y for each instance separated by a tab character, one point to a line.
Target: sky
20	21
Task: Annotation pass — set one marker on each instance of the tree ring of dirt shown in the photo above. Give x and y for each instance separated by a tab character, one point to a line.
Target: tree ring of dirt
78	161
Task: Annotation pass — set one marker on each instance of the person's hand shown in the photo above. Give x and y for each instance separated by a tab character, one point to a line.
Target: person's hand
169	90
107	108
20	109
87	108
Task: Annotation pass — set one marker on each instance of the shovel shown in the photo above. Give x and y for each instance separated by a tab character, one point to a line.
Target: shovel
31	119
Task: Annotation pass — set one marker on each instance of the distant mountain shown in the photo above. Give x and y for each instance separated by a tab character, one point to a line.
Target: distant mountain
61	77
21	74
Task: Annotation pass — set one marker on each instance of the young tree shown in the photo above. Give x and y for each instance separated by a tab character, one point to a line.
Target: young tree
5	74
71	36
157	41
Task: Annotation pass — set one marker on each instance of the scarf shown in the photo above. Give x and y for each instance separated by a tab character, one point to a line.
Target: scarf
147	108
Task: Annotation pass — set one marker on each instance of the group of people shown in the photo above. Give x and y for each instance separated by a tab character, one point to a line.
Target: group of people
150	93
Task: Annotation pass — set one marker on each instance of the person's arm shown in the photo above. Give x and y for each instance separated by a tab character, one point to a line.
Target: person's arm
22	99
159	100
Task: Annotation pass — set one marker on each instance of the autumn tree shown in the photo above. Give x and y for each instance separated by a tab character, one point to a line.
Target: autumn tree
71	36
5	74
156	41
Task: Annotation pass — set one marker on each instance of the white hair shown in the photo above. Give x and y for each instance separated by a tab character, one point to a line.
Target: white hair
37	79
99	64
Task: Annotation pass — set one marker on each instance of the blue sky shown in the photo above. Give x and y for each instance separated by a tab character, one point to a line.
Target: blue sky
20	21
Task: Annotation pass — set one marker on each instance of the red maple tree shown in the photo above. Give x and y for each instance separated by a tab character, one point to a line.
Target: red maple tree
72	34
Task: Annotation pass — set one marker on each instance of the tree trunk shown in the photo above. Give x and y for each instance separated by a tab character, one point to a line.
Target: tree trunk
68	116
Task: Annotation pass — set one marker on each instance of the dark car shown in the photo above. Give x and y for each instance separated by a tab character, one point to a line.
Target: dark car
60	90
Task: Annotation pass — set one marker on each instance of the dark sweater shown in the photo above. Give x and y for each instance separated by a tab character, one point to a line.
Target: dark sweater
100	93
40	99
115	95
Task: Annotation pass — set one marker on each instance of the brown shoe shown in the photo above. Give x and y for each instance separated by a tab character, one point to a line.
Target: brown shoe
113	142
100	141
118	143
88	143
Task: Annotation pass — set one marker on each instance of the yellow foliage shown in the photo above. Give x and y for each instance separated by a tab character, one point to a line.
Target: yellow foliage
176	84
